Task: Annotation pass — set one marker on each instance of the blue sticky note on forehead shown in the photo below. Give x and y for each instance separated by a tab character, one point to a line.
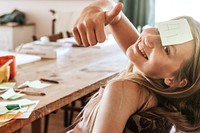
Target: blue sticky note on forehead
174	32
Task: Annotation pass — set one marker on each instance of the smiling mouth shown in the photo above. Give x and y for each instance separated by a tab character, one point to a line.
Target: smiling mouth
142	51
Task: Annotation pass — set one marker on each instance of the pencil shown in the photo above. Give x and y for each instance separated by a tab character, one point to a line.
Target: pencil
21	87
49	80
32	93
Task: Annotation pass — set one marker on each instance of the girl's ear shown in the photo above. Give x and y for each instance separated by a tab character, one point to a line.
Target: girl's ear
170	82
183	83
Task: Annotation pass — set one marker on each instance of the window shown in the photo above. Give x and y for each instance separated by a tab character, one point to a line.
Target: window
168	9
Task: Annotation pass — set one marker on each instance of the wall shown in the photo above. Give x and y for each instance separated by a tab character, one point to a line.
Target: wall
37	11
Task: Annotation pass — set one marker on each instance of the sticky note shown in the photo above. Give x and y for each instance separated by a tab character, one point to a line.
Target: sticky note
3	110
7	85
37	84
16	96
24	102
174	32
27	106
11	94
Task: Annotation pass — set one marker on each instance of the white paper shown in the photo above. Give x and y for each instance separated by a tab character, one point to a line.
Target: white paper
37	84
174	32
7	85
21	58
11	94
27	110
16	96
3	110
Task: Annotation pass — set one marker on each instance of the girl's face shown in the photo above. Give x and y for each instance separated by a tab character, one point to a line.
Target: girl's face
157	61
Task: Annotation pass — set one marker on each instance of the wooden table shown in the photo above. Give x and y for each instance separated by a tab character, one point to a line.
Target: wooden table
80	70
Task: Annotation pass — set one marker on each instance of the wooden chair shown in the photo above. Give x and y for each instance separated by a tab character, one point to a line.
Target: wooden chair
147	122
52	38
69	34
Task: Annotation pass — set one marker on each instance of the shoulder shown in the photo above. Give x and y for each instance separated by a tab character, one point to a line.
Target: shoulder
128	89
125	85
133	90
122	86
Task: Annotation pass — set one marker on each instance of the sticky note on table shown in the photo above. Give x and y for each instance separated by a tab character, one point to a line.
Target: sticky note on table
11	94
27	106
3	110
174	32
7	85
16	96
37	84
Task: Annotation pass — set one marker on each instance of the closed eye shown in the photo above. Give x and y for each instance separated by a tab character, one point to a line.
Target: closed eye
166	49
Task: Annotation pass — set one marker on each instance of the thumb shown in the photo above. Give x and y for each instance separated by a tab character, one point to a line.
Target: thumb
112	14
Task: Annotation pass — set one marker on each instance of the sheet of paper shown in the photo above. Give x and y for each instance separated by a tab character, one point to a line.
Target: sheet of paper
16	96
7	85
27	107
174	32
21	102
3	110
69	40
37	84
11	94
26	111
21	58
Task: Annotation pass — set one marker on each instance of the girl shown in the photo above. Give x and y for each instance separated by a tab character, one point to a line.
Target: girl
164	79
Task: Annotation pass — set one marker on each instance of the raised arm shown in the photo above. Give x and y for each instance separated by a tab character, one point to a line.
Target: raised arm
90	26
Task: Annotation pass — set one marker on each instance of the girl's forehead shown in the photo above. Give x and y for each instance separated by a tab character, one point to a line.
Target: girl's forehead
151	30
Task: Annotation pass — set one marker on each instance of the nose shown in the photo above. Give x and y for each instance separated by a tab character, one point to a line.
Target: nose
152	41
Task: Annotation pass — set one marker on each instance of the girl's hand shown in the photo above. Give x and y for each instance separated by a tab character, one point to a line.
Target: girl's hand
90	27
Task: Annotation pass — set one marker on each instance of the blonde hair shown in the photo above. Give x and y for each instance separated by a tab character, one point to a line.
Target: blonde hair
181	106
